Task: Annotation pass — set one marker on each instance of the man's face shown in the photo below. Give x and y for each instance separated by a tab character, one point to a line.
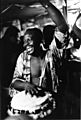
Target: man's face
28	43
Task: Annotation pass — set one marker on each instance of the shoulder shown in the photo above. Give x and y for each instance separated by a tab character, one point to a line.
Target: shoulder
22	55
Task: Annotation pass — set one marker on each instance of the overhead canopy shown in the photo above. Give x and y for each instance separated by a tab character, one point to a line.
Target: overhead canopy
23	9
27	9
6	3
17	12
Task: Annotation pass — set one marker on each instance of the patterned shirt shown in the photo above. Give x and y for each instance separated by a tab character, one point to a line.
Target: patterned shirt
22	70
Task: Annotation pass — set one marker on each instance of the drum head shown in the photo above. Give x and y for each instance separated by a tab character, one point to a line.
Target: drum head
34	106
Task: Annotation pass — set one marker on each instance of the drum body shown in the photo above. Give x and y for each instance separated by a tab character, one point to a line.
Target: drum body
36	106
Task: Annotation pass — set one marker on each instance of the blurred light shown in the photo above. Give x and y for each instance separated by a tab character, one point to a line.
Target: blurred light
59	3
36	5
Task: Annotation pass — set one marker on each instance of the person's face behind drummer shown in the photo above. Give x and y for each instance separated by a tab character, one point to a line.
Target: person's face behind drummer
48	34
32	40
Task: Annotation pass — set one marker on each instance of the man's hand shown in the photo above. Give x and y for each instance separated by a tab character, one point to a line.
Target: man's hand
30	88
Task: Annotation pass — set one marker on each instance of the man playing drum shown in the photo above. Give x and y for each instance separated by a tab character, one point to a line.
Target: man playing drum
32	82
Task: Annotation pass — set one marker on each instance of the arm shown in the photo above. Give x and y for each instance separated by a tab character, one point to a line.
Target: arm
19	82
62	32
56	15
19	85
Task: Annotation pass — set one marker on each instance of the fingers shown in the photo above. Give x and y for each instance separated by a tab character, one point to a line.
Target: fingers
26	90
31	89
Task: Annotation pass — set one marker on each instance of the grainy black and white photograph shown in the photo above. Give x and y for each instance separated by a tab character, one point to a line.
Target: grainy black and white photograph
40	59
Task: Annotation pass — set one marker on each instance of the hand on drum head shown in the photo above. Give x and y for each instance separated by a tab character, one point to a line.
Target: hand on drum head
30	88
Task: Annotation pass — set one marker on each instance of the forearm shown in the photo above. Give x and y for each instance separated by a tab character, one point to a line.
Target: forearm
19	85
55	15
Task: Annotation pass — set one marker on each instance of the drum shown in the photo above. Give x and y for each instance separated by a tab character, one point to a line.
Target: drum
36	106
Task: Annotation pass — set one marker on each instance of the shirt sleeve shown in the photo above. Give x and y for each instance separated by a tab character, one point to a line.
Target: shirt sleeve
17	75
18	69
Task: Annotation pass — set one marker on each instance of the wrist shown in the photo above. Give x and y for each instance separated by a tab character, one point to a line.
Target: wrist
25	85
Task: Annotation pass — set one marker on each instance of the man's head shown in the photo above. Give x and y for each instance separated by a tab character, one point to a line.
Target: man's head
11	34
48	34
32	39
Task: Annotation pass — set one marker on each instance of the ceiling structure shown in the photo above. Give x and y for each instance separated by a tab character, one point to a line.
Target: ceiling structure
31	10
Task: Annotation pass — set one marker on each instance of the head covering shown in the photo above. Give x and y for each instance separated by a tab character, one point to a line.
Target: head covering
36	34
